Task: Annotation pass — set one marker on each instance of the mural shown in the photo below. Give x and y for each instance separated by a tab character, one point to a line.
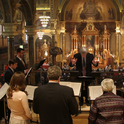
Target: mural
101	10
68	15
90	41
111	14
90	10
42	3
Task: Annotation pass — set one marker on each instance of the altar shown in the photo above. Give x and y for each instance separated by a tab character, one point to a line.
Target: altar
99	47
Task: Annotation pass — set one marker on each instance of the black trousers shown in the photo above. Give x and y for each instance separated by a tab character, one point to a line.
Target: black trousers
1	109
84	93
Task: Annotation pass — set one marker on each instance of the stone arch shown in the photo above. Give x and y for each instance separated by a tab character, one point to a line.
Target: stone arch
7	11
26	10
39	43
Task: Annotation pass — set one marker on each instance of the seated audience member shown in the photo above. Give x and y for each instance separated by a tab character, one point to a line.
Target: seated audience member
108	108
10	71
17	100
54	103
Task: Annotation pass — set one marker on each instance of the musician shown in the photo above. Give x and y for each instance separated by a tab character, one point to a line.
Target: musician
83	62
21	62
54	103
10	71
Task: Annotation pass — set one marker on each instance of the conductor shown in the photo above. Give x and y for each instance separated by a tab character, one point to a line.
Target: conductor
83	62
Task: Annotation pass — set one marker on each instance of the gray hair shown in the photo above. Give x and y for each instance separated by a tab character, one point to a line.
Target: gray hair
107	84
54	72
83	50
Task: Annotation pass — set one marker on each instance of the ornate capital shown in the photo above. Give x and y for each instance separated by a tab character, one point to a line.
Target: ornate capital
122	11
10	29
53	23
29	30
62	24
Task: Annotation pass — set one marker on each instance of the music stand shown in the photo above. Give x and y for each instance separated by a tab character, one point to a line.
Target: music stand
74	76
40	64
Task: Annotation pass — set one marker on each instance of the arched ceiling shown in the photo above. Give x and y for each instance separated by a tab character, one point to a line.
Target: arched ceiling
103	6
8	10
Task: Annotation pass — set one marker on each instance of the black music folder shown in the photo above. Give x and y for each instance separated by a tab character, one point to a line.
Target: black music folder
40	64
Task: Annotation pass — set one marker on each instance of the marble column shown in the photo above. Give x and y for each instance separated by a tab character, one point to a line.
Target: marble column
63	46
76	44
11	49
84	41
71	43
10	32
117	40
117	48
122	38
30	33
58	44
108	43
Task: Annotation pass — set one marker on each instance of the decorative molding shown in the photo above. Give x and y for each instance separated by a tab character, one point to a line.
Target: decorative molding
29	30
10	29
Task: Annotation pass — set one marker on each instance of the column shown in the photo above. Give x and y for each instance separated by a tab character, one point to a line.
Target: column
122	37
98	41
58	45
63	45
11	49
117	49
30	33
76	44
117	40
10	32
108	43
71	43
95	43
84	41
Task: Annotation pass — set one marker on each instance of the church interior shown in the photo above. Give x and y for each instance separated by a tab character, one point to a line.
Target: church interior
57	29
39	25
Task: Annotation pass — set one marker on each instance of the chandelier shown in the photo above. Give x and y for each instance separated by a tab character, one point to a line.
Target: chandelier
44	20
40	34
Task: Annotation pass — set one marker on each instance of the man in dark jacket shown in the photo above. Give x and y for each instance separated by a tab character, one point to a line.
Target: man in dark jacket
10	71
84	61
21	62
54	103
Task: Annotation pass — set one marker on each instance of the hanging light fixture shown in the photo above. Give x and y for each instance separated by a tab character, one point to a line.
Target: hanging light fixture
40	34
44	19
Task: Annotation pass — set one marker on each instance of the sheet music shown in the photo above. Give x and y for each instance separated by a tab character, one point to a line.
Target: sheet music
3	90
30	89
96	91
28	72
74	85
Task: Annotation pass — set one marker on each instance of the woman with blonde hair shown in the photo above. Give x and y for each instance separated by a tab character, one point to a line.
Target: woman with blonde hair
17	100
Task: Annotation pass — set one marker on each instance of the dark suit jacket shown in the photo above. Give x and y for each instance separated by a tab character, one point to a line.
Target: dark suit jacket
89	58
8	74
20	66
55	104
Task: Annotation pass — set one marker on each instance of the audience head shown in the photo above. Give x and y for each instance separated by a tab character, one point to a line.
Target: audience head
20	52
13	64
107	85
17	82
83	50
54	72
